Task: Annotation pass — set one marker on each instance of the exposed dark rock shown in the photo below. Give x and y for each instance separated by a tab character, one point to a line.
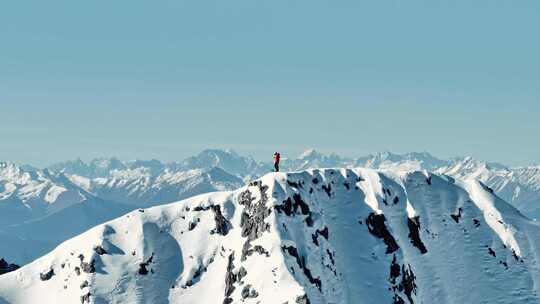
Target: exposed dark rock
492	252
377	227
84	284
100	250
327	189
192	225
396	200
260	250
331	256
414	234
198	273
45	276
252	220
201	208
88	267
6	267
85	298
222	225
302	300
245	291
309	220
143	267
248	292
297	185
315	181
291	206
515	255
394	270
428	180
476	223
301	261
248	251
242	273
230	279
78	271
347	185
457	216
408	281
398	300
323	232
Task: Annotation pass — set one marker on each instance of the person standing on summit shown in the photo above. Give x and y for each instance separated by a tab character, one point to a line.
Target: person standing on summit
277	157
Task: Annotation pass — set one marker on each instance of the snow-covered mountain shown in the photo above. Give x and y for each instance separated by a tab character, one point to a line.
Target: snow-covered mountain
407	161
518	186
319	236
99	167
27	195
39	209
142	186
311	159
228	160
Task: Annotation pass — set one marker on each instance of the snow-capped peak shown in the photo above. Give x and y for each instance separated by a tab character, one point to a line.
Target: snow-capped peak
309	154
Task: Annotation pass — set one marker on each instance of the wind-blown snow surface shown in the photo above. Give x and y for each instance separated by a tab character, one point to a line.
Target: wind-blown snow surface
319	236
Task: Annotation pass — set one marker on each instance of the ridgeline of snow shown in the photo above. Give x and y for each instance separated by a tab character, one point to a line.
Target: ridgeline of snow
318	236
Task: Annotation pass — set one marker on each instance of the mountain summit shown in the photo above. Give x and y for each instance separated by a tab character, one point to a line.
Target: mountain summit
317	236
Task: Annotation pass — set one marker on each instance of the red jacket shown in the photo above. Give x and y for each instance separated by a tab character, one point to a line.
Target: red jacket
277	156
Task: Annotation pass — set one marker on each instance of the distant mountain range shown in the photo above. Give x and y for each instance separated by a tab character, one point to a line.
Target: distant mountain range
39	208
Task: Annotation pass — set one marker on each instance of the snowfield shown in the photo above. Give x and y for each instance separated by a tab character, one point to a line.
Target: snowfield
317	236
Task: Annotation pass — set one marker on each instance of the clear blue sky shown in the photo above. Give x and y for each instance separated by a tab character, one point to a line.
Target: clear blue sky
165	79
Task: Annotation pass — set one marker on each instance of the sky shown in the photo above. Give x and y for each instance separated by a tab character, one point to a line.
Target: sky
166	79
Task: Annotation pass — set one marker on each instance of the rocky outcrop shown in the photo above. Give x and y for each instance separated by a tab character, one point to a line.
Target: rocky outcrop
377	227
6	267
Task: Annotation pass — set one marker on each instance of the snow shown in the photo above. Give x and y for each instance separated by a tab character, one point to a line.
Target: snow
319	234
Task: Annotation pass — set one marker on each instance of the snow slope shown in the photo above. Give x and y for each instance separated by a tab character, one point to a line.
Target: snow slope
317	236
